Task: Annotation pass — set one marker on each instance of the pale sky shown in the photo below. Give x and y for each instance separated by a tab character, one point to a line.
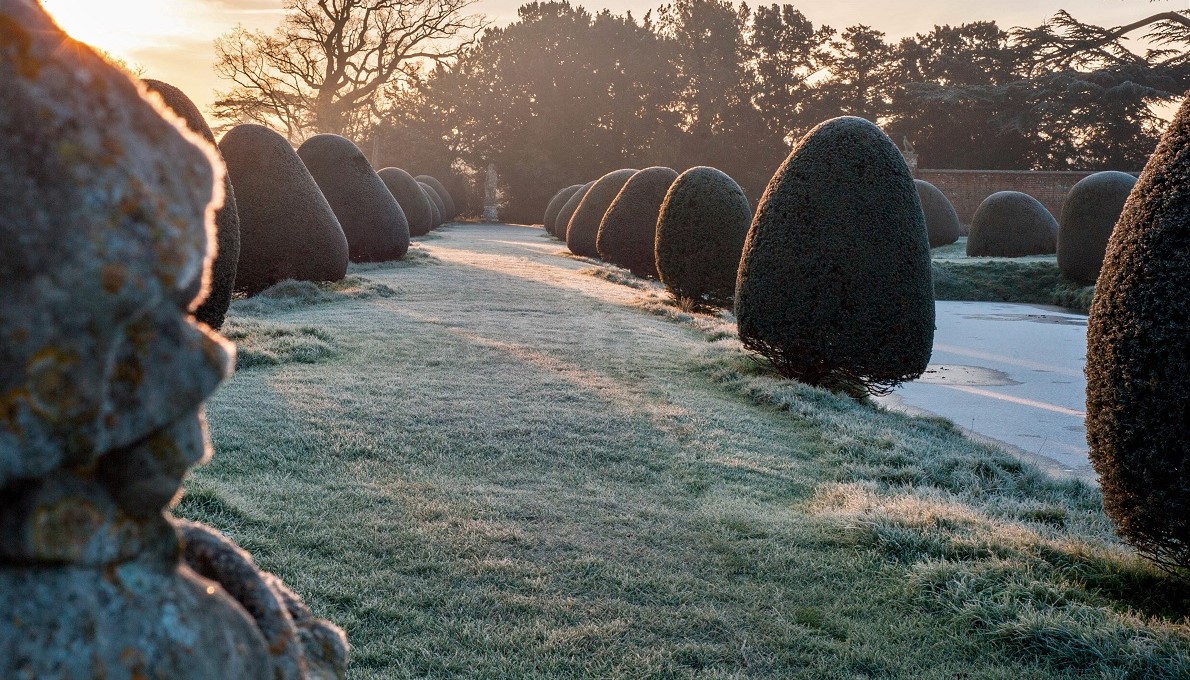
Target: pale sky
172	39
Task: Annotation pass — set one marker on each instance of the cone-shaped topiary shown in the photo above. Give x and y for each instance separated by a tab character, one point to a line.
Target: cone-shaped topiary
628	234
287	229
375	225
449	210
1138	359
227	220
562	224
411	198
834	285
583	230
1091	210
436	204
1011	224
942	222
700	235
556	204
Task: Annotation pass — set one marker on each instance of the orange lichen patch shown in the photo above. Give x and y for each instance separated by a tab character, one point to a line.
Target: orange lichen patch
113	276
18	43
129	372
52	391
63	529
11	404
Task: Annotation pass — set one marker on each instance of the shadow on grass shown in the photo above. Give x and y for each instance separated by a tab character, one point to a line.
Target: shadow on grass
1030	282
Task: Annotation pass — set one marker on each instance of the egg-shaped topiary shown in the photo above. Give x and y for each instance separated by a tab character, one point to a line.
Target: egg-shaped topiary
449	209
583	230
1138	359
700	236
375	225
287	229
628	233
562	223
942	222
213	308
411	198
1088	217
834	285
436	204
556	204
1011	224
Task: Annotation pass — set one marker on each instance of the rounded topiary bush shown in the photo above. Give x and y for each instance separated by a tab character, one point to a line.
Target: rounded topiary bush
700	235
583	230
1138	359
1088	217
562	224
449	210
438	208
942	222
413	201
628	233
1012	224
287	229
834	285
555	206
375	225
213	308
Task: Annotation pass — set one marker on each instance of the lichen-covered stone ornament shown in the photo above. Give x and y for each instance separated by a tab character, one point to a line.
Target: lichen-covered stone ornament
106	212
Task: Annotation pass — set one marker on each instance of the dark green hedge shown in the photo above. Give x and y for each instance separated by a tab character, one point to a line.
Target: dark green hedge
628	234
942	222
555	206
583	231
449	209
562	224
1012	224
439	208
834	285
1088	217
411	198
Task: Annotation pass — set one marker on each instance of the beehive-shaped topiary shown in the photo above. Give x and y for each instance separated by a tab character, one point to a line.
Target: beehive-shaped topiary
1091	210
556	204
437	206
375	225
1138	359
942	222
227	220
413	201
562	224
834	285
1011	224
449	209
700	235
628	234
583	230
287	229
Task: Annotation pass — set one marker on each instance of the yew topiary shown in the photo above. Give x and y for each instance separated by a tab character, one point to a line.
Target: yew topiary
834	285
942	222
1088	217
562	224
556	204
583	230
1138	359
287	228
411	198
628	233
1012	224
700	235
227	220
449	210
375	225
436	204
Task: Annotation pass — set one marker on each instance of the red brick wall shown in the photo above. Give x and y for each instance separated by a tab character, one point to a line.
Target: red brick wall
966	189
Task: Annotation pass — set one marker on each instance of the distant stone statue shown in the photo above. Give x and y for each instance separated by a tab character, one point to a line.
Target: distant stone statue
491	195
104	215
910	154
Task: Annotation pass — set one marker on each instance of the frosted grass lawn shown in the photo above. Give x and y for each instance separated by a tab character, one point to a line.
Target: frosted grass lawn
511	464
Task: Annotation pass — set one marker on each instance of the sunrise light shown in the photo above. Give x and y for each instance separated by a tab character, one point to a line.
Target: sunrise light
122	27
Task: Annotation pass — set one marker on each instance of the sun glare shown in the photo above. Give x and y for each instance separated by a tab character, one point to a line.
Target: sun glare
122	27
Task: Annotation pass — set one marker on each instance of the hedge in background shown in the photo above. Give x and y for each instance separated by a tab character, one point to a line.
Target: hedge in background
556	204
562	224
375	225
227	221
1088	217
1138	359
287	229
628	234
942	222
449	210
411	198
439	208
834	284
700	235
1012	224
583	230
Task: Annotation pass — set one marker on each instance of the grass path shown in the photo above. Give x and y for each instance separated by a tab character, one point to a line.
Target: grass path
484	462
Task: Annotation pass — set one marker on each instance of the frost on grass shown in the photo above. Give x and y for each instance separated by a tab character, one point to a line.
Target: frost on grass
416	256
1000	280
290	294
715	324
267	343
616	275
